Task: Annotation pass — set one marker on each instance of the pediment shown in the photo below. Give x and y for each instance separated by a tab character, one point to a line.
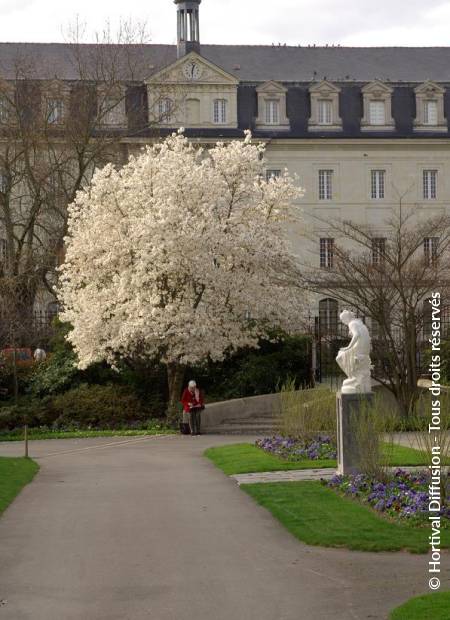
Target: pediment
324	88
271	87
429	88
209	73
377	88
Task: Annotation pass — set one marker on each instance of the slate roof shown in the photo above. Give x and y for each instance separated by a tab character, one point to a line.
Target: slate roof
257	63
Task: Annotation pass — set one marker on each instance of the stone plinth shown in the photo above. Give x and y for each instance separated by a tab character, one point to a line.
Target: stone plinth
348	406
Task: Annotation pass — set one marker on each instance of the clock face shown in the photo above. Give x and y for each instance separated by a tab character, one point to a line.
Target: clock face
192	70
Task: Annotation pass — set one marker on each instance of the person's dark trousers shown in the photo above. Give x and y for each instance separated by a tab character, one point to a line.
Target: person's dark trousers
194	421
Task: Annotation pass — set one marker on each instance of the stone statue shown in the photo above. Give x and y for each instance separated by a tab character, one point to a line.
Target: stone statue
355	359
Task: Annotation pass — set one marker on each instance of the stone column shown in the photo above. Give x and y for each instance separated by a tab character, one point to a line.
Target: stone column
348	406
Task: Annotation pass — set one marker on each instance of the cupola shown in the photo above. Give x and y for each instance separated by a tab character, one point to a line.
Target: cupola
188	27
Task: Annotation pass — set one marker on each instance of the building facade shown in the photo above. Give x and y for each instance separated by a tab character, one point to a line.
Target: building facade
361	127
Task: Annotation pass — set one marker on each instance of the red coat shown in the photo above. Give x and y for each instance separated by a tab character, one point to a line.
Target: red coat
191	400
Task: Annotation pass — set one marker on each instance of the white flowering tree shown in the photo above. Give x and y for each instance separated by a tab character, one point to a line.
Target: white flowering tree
170	255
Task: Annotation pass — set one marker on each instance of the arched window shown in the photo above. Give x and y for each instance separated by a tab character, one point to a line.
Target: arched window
220	111
328	316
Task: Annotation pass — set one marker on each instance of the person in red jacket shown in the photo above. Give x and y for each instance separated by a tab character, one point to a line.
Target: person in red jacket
192	401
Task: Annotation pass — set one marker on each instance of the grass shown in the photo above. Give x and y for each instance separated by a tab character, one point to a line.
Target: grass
435	606
245	458
316	515
41	434
15	473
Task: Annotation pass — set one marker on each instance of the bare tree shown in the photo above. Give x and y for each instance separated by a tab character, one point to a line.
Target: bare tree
57	124
389	280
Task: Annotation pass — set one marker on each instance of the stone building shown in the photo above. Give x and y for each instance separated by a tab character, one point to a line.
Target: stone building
359	126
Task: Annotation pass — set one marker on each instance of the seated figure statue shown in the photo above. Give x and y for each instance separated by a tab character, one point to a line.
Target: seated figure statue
354	359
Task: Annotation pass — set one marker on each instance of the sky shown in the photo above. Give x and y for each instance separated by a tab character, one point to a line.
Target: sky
252	22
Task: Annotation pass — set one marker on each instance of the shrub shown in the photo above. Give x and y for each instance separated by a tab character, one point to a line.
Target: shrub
305	413
100	406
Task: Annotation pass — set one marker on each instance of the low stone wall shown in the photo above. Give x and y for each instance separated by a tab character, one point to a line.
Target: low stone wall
243	408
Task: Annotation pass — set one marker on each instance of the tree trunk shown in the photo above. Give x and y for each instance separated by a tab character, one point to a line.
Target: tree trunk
175	378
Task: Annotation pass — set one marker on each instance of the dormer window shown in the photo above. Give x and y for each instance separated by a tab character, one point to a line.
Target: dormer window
272	112
113	111
55	111
377	105
54	102
272	107
430	108
220	111
324	107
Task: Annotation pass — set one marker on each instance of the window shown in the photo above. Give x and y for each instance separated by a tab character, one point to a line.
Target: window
427	318
3	251
430	112
325	112
272	174
328	316
55	108
4	110
220	110
165	110
325	184
429	184
112	111
3	182
272	112
430	250
377	114
377	184
378	250
326	253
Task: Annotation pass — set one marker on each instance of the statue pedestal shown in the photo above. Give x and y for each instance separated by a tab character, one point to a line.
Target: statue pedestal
347	407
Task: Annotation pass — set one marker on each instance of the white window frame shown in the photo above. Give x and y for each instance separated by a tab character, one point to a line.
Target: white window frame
375	106
378	250
273	173
220	111
430	247
326	252
325	184
55	110
431	120
165	110
377	184
272	111
324	112
429	178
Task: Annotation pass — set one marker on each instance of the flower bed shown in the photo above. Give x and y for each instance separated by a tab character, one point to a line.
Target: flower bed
403	496
290	449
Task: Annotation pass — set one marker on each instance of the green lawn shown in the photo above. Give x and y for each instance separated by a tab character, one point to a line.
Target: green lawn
15	473
317	515
434	606
244	458
38	434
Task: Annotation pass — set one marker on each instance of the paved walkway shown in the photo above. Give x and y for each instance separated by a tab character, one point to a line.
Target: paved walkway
147	528
297	475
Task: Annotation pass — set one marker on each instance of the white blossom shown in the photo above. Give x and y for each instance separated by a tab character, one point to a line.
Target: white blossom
168	255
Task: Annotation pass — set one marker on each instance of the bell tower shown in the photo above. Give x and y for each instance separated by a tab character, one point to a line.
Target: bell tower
188	26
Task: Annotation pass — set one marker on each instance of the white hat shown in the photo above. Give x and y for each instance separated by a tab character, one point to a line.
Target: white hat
192	384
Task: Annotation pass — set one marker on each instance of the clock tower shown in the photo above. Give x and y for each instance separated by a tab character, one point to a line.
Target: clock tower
188	27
